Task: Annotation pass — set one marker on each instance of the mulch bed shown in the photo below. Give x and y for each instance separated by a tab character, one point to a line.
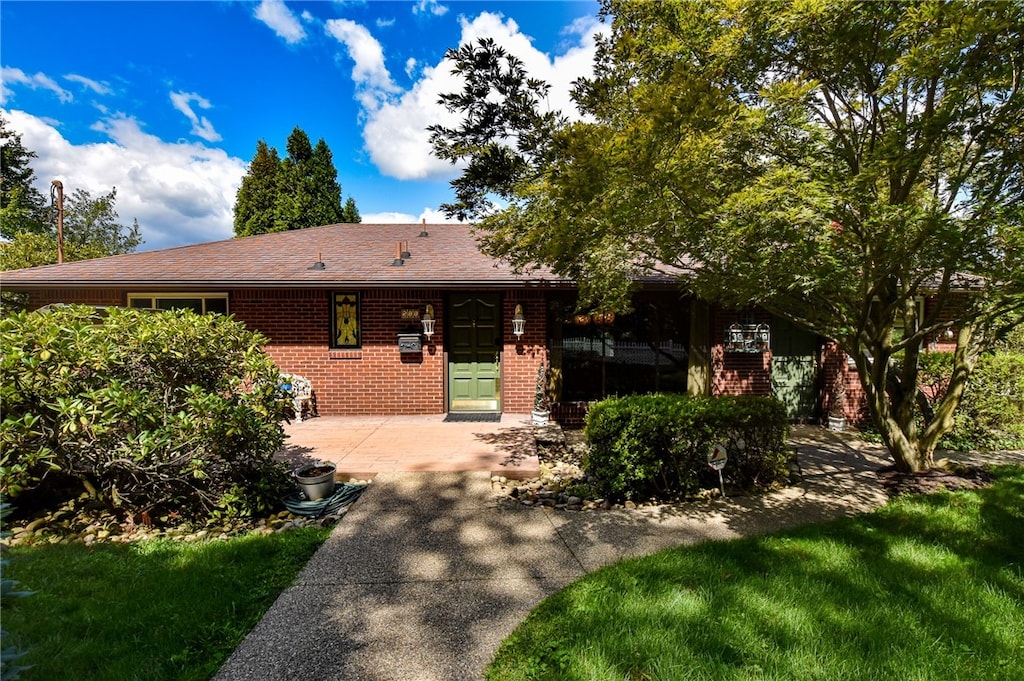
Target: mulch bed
933	480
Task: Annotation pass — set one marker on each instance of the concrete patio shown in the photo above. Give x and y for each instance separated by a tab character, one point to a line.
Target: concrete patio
362	446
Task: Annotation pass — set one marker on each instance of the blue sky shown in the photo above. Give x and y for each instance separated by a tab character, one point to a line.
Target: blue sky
166	100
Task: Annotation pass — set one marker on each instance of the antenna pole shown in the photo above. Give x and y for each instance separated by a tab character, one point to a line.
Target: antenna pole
57	197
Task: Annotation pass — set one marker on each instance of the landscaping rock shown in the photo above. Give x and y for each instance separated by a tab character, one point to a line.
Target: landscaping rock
85	521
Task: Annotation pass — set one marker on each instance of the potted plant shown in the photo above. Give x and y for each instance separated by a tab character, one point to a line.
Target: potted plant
316	480
541	404
837	404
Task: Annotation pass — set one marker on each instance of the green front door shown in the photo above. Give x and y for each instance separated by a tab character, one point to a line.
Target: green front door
794	368
474	357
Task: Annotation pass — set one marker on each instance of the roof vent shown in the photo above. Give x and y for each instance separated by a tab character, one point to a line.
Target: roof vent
405	250
423	232
319	264
398	262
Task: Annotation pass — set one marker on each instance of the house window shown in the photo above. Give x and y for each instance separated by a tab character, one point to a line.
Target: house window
643	351
898	326
202	303
345	327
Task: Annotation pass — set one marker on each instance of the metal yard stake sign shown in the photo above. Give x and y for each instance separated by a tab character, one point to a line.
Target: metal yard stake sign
716	460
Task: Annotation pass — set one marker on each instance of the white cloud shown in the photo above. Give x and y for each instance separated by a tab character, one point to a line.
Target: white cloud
180	193
280	19
430	7
39	81
410	66
372	79
201	126
89	83
395	133
385	23
431	215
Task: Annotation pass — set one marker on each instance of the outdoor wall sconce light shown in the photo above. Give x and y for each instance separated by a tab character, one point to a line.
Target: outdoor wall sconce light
518	322
428	322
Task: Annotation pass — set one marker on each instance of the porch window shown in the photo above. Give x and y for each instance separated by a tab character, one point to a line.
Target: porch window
346	330
201	303
638	352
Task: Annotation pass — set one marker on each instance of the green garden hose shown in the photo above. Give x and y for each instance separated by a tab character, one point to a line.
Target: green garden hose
344	495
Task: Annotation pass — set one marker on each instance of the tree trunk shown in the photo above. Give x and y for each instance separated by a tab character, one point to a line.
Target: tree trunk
892	403
964	359
893	414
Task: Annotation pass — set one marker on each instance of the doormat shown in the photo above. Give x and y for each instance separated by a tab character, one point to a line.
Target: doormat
472	417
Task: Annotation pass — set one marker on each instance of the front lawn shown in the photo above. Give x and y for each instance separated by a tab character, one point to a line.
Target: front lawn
930	587
156	609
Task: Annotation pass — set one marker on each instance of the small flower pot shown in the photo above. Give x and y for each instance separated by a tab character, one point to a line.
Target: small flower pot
837	423
540	417
316	480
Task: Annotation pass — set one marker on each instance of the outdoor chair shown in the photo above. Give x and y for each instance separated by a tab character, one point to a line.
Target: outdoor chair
301	390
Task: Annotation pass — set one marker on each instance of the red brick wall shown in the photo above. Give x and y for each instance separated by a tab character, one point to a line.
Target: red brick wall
738	373
104	297
835	364
377	378
521	358
373	379
946	341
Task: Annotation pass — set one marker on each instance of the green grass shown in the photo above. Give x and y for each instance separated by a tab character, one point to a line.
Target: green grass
158	609
930	587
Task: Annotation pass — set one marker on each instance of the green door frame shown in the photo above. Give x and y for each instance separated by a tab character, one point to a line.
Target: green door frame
473	350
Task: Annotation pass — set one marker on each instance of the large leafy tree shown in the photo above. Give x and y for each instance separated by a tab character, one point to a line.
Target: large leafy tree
301	190
94	223
831	162
91	227
91	230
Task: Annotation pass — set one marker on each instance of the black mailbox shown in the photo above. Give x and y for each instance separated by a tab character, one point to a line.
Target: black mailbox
409	342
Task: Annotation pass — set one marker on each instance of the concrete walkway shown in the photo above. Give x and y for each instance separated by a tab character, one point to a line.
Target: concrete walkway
428	572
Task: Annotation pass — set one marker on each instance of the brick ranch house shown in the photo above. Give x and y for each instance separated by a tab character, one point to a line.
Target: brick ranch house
344	305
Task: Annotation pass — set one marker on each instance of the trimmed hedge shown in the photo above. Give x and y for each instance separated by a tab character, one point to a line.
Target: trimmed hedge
157	412
658	445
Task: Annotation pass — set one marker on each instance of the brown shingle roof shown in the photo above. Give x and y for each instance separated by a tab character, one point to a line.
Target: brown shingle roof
353	254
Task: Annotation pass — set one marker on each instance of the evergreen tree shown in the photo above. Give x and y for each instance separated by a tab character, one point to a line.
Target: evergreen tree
295	199
22	207
257	196
298	191
350	214
326	208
